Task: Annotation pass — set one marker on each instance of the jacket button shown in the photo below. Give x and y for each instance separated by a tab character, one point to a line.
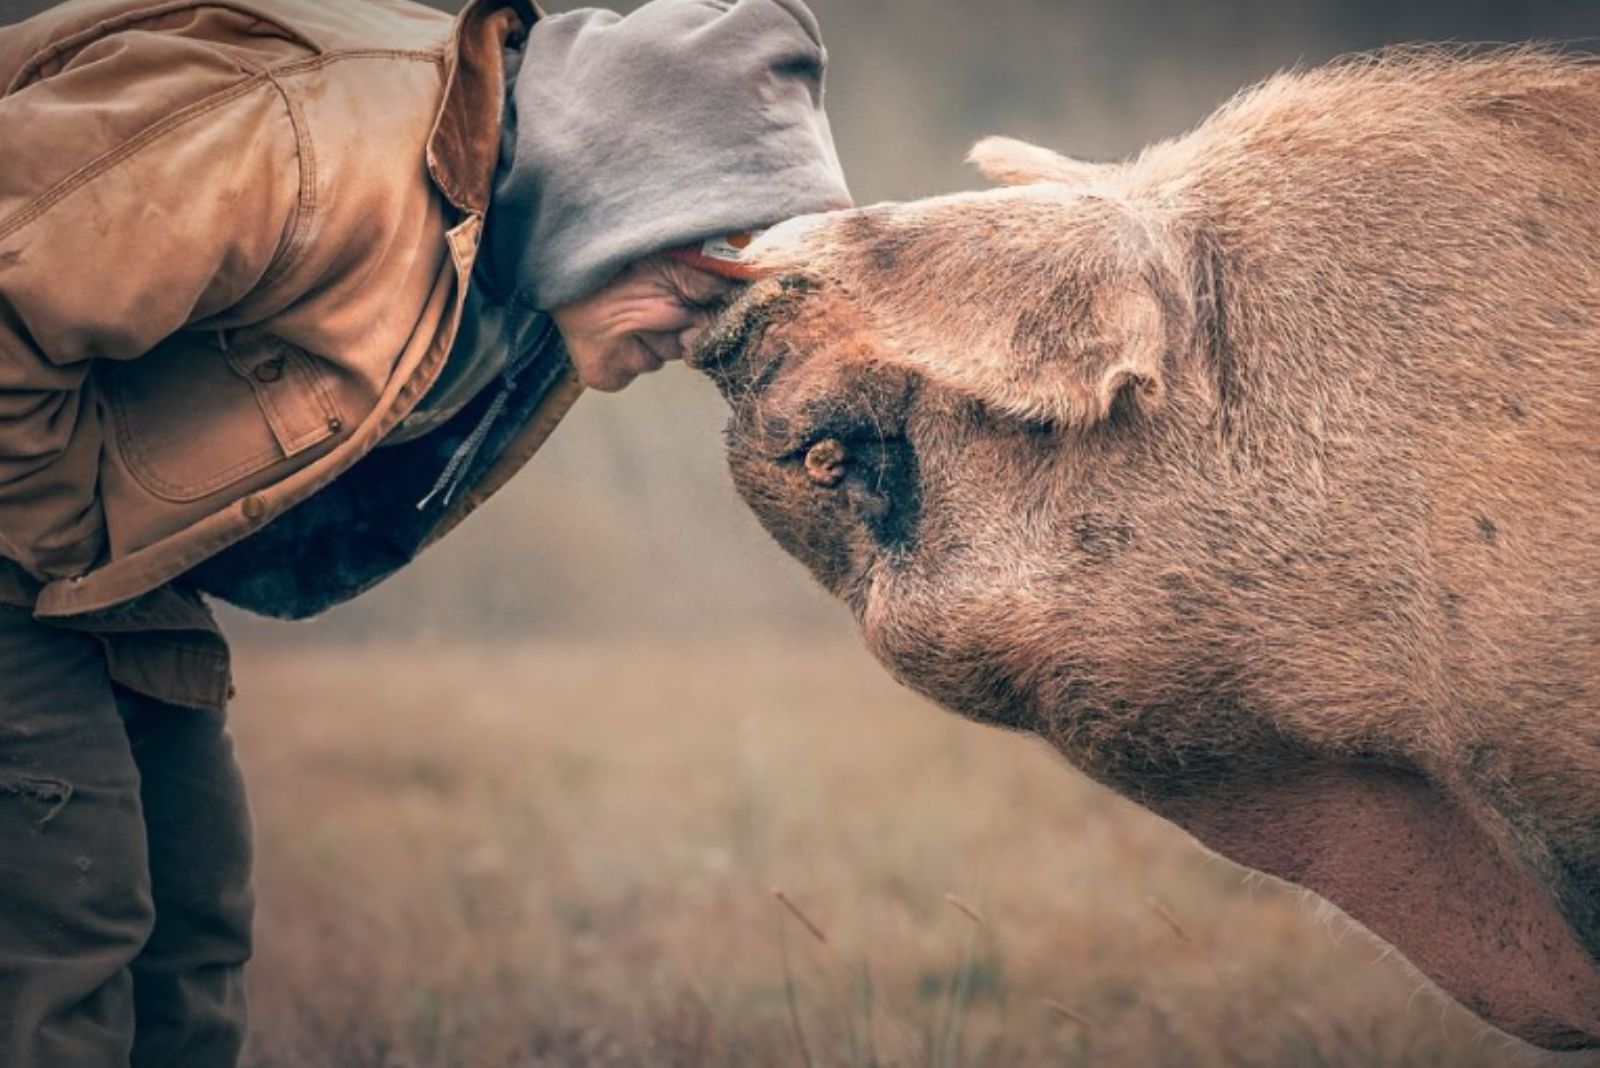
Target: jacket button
254	508
269	370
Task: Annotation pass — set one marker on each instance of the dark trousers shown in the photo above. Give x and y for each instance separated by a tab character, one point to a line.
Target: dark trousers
125	897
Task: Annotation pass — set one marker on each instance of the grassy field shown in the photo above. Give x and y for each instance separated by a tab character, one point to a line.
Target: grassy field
753	855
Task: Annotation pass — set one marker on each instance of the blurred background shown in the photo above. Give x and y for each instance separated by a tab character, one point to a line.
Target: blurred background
603	780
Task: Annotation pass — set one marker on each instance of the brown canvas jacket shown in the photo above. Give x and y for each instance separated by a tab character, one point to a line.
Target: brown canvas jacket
235	239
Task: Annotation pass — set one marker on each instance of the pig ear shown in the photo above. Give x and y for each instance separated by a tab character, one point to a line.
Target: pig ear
1011	162
1126	362
1078	370
1072	367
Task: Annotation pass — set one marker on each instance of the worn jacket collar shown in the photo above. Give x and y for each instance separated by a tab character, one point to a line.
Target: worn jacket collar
464	148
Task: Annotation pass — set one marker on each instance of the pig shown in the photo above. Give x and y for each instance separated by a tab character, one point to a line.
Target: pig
1258	474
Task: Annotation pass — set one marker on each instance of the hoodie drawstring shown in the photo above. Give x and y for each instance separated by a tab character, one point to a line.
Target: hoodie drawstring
455	472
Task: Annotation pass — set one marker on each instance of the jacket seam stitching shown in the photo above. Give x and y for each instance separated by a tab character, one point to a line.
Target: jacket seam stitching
306	202
305	147
150	134
310	63
109	27
296	365
113	158
319	384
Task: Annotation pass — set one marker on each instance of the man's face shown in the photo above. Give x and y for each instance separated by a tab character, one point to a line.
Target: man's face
649	314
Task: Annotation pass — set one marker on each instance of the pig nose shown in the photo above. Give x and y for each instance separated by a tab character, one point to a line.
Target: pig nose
731	351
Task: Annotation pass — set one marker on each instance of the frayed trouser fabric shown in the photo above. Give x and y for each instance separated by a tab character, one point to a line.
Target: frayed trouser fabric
125	897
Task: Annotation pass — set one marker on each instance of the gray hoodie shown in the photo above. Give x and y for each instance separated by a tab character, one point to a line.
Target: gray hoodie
685	120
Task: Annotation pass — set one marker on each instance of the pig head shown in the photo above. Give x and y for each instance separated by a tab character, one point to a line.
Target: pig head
1260	475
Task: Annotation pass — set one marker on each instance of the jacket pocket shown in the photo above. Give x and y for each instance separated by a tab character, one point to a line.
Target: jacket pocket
203	412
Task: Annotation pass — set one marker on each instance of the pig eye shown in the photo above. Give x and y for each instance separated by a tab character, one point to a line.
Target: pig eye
878	476
828	456
826	462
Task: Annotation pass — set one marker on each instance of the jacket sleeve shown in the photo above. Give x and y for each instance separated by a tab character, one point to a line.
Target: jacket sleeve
139	194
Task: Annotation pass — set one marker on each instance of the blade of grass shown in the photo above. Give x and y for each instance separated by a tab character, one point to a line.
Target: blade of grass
791	997
953	1015
821	938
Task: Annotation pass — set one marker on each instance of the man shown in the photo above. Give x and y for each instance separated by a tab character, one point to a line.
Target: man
288	288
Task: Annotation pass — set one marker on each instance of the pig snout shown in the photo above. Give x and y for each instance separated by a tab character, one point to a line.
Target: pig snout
732	351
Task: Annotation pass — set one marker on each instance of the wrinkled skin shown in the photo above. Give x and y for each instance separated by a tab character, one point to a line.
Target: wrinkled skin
649	314
1260	475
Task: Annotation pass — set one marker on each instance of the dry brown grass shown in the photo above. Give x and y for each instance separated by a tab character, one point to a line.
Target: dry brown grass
551	855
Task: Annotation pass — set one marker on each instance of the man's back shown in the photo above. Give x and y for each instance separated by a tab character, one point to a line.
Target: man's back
227	250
